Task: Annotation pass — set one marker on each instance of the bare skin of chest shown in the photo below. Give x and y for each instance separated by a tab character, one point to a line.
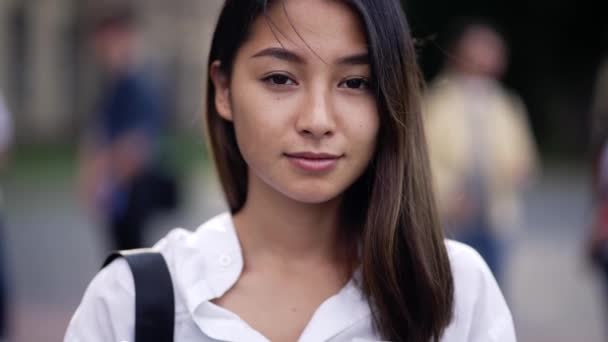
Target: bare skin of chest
280	305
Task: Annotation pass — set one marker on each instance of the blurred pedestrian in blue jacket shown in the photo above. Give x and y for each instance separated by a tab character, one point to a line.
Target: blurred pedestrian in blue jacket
121	175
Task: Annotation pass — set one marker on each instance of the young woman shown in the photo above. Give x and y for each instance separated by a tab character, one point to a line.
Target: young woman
314	121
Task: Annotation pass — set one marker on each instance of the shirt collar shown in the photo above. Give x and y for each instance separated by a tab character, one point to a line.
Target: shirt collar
338	313
212	262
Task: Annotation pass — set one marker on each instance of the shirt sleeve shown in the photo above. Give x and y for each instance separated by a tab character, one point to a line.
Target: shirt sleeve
481	313
107	310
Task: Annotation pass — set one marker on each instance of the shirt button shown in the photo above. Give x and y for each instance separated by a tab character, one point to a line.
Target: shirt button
225	260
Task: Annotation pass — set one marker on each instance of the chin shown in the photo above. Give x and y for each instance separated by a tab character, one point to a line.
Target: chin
311	194
312	198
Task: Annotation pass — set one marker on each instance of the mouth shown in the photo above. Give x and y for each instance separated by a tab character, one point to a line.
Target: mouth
313	161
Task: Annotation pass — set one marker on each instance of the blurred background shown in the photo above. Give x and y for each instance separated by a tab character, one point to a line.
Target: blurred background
68	66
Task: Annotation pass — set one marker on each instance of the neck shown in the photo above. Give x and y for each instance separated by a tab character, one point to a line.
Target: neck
271	225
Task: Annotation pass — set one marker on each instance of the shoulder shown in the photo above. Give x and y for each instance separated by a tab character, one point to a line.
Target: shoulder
480	310
509	102
106	312
471	274
465	260
185	252
212	239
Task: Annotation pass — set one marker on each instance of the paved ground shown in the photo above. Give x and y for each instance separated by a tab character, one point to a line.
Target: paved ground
53	250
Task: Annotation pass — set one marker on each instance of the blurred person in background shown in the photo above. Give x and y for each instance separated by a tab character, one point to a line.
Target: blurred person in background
481	148
598	244
121	175
6	136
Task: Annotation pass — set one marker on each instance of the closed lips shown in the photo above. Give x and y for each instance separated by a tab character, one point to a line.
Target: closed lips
313	162
313	156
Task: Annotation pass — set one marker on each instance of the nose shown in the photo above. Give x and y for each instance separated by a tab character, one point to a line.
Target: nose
316	118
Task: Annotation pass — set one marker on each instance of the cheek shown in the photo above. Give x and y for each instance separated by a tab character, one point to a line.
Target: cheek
260	124
368	127
363	124
251	132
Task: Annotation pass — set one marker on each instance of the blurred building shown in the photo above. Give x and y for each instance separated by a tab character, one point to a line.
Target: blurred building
48	77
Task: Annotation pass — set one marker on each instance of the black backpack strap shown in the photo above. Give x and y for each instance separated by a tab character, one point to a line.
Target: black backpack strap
154	299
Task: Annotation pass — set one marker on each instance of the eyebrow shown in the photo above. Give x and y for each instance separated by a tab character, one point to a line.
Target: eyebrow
357	59
280	53
290	56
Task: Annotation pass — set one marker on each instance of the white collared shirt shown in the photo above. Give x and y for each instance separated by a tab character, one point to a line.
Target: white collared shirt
206	263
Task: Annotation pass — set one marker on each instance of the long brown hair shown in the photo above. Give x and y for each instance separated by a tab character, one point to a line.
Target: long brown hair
406	274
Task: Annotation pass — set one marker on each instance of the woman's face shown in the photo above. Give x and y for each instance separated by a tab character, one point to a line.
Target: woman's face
300	100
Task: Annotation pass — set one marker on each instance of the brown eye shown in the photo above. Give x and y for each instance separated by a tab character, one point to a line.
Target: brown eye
279	80
356	83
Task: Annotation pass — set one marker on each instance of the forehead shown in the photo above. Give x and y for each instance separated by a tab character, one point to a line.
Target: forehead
323	28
